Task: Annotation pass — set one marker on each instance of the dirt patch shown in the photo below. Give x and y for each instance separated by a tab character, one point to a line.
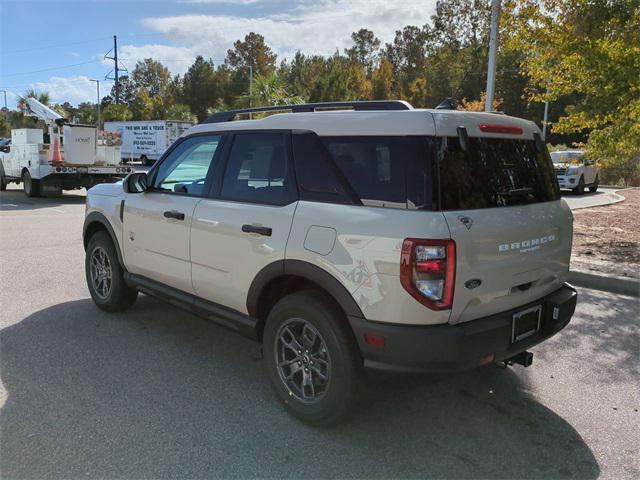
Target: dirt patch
609	234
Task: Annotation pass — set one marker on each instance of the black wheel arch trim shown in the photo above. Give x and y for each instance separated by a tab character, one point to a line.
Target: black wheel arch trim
97	217
308	271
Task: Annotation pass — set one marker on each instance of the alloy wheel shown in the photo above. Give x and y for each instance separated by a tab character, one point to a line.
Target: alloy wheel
302	360
101	274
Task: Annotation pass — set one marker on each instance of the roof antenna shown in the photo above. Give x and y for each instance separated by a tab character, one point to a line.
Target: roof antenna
448	103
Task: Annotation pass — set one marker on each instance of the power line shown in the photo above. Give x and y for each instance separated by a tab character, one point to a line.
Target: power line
54	46
61	67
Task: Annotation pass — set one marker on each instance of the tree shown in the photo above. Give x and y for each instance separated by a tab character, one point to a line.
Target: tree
254	52
199	87
588	50
41	96
365	48
152	76
180	111
115	112
127	92
268	90
382	80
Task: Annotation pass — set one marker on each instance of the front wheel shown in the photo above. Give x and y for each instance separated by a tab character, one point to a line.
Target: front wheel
580	188
105	277
30	186
312	358
3	180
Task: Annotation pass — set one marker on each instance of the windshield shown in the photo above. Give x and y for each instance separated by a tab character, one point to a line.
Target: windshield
566	157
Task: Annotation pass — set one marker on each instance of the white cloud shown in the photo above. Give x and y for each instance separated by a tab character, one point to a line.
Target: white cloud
176	59
72	89
320	27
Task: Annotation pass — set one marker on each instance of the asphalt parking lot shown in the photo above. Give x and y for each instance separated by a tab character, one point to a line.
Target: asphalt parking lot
157	393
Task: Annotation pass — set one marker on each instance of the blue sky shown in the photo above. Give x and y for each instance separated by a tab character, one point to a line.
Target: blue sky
59	45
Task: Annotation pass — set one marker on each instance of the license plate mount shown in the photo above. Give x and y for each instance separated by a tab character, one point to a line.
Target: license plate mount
525	323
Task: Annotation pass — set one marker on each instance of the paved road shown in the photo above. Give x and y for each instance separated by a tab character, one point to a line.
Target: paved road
156	392
603	196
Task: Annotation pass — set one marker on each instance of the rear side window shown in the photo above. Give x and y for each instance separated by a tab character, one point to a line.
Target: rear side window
494	172
256	169
392	172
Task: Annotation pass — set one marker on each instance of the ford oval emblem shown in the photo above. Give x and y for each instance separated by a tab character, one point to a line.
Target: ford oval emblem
473	283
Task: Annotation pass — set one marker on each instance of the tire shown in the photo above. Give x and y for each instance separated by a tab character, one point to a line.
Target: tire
594	188
311	314
3	180
580	188
30	185
110	293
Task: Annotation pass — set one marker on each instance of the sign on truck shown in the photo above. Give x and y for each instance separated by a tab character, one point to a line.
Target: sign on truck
147	140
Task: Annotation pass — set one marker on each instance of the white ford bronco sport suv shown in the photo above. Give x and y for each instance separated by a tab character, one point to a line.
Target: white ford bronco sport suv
380	236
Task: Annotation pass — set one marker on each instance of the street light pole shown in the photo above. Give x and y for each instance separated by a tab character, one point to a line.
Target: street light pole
493	47
98	104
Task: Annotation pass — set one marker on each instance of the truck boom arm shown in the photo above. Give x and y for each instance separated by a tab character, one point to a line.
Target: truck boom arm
43	112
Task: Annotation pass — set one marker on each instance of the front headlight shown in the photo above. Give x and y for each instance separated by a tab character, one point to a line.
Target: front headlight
572	171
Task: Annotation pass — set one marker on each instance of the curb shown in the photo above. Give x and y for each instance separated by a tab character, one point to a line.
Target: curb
623	286
618	198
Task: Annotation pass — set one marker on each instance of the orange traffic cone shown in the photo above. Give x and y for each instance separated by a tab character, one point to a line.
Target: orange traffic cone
56	157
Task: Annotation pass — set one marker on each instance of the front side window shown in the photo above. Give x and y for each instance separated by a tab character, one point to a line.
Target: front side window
185	169
256	170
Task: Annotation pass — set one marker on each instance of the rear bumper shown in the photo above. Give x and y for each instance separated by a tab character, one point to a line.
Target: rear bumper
450	348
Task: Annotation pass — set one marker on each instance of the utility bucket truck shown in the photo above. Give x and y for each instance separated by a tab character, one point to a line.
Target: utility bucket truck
66	158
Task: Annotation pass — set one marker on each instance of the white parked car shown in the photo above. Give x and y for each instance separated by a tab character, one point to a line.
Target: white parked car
575	171
381	236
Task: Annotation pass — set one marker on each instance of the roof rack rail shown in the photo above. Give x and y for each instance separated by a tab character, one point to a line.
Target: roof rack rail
312	107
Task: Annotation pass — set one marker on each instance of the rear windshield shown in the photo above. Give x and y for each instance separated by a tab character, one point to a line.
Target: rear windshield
435	173
494	172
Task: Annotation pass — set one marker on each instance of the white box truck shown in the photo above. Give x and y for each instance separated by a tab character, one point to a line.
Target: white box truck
147	140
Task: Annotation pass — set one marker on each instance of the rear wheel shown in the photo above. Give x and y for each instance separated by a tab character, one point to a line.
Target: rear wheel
312	358
105	276
594	187
30	186
580	188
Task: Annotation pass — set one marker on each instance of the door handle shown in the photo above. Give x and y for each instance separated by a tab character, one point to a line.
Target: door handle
266	231
174	214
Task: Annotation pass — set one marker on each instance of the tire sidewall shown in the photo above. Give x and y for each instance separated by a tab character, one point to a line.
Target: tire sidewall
341	383
27	180
102	240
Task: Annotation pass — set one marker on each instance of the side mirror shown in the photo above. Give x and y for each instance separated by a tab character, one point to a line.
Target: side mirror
135	182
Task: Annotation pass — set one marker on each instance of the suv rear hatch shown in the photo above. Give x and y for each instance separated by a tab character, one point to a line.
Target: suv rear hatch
499	195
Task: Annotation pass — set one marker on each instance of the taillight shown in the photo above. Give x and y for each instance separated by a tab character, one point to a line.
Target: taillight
428	271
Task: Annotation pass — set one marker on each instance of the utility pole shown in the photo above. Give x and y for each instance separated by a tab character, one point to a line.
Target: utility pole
115	60
545	120
116	68
493	47
250	89
98	104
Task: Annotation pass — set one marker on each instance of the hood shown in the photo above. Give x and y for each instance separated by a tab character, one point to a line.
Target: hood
107	189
